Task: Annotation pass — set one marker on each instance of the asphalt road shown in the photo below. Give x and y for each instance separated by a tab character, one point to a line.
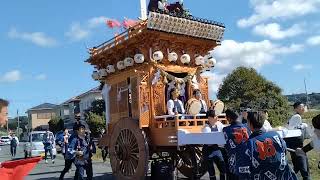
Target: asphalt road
52	171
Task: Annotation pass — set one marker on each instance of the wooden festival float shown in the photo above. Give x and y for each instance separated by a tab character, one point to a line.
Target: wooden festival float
138	68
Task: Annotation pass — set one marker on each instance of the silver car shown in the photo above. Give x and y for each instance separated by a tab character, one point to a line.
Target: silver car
35	145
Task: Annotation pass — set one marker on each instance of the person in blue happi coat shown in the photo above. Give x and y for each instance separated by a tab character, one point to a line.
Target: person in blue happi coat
79	151
236	136
265	156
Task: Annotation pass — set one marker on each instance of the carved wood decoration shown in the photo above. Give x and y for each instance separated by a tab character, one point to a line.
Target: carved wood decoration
145	105
203	82
159	98
135	99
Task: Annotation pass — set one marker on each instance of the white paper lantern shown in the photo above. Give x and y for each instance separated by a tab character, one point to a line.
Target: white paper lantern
209	61
139	58
172	57
103	73
157	56
199	60
128	62
110	69
185	59
120	65
95	75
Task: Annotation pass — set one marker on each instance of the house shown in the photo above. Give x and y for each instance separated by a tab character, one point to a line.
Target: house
40	115
74	108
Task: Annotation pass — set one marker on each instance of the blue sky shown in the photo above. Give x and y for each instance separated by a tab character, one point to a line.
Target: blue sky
43	43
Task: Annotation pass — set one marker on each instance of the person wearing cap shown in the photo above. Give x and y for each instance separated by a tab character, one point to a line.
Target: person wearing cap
300	163
78	150
175	105
236	136
212	153
265	153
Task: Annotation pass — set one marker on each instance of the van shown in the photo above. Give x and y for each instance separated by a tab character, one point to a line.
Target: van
35	147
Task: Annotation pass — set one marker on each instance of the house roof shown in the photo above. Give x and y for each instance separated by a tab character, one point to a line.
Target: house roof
44	106
77	98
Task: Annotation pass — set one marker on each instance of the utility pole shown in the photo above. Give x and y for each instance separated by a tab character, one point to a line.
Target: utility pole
305	88
18	123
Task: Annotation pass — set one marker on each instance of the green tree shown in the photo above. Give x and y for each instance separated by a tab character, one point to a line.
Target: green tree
245	85
97	107
96	123
56	124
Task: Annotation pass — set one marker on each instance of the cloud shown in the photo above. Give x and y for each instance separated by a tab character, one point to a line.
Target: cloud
232	54
11	76
299	67
79	31
37	38
314	40
96	21
41	77
274	31
265	10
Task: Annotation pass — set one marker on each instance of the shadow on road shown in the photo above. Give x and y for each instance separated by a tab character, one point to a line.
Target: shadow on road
106	176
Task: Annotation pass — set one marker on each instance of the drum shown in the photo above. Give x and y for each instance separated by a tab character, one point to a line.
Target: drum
218	107
193	106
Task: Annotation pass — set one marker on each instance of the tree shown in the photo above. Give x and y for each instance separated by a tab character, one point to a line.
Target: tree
97	107
56	124
245	85
95	116
96	123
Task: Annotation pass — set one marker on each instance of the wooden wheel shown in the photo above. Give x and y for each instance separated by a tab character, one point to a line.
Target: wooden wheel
129	152
185	162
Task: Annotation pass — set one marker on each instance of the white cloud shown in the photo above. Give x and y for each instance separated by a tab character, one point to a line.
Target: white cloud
314	40
41	77
38	38
299	67
96	21
265	10
274	31
232	54
79	31
11	76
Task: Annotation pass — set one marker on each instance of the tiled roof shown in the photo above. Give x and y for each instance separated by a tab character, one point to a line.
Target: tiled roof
44	106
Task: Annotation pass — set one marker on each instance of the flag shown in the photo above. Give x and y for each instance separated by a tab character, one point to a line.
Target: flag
17	169
127	23
111	23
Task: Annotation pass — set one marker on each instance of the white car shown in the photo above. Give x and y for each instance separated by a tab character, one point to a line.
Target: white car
6	140
35	146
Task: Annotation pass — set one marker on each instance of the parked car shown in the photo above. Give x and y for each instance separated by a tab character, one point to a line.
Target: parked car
35	146
6	140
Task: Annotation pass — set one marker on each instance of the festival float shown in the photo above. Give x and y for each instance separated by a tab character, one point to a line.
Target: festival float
168	48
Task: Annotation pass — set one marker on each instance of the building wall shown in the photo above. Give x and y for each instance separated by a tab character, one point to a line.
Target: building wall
40	117
86	100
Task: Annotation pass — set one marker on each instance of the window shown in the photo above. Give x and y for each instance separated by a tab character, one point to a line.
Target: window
45	115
